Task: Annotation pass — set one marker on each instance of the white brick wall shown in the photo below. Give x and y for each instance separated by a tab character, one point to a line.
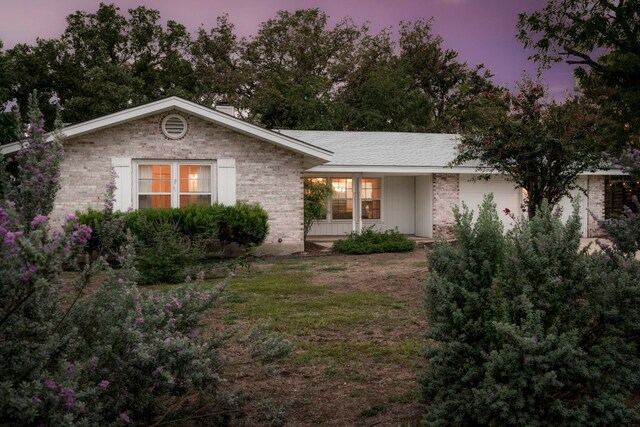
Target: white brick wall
446	195
265	173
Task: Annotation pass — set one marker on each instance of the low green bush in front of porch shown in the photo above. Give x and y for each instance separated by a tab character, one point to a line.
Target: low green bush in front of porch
372	241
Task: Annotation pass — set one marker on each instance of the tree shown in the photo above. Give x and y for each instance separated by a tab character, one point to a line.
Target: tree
295	64
220	78
540	147
603	38
448	85
316	194
102	63
378	93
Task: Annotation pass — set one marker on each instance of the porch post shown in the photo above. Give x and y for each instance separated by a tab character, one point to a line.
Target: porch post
357	204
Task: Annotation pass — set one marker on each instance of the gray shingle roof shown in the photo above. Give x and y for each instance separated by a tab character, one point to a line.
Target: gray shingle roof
382	148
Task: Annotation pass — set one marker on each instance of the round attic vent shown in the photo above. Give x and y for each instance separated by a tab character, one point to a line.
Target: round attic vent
174	126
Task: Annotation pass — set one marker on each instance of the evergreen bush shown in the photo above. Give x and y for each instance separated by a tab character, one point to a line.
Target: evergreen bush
243	223
527	329
371	241
162	254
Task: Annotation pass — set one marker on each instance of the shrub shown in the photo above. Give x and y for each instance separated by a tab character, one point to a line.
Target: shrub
113	357
162	253
245	224
372	241
37	168
316	194
527	328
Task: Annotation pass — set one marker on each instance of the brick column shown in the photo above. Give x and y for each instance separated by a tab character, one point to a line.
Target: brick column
446	195
596	205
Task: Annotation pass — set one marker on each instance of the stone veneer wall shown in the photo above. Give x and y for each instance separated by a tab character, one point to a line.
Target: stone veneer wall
596	205
265	173
446	195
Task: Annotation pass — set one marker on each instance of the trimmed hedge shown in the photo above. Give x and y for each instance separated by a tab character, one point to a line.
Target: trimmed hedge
371	241
243	223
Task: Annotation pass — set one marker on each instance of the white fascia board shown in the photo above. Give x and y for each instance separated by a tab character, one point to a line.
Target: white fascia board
314	155
405	170
418	170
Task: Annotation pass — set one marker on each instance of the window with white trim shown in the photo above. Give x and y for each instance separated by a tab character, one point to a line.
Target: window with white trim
370	196
342	198
164	184
340	204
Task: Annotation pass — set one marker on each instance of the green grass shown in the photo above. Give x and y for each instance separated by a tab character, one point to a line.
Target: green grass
293	306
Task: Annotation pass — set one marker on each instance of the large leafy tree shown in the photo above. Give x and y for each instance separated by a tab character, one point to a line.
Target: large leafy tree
603	38
297	72
541	147
295	64
448	84
379	94
103	62
220	77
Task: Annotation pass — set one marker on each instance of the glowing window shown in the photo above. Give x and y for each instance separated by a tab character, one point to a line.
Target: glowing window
174	184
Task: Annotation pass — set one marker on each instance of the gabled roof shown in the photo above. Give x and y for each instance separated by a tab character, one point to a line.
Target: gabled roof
312	155
384	151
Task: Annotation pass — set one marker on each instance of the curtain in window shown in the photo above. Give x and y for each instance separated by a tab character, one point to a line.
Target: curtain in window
195	184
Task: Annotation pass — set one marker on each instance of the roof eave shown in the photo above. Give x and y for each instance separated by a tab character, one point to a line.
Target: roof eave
416	170
313	155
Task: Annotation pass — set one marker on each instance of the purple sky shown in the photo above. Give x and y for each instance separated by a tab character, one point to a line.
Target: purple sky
482	31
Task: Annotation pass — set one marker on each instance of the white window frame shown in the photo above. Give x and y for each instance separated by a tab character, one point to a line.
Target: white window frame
329	219
175	178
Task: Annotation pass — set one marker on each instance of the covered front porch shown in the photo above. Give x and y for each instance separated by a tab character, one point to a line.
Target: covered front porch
385	202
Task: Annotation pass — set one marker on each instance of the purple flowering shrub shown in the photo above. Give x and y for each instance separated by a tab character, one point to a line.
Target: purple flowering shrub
527	328
109	357
37	168
112	356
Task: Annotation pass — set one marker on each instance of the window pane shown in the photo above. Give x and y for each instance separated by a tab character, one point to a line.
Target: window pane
342	209
371	198
194	199
342	198
154	179
146	202
341	188
371	209
195	179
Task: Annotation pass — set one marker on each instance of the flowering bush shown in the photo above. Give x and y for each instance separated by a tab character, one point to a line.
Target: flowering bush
528	327
113	356
37	178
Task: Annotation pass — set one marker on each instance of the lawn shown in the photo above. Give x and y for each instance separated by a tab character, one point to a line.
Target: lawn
356	324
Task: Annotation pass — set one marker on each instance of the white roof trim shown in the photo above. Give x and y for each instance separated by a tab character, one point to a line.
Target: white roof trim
313	155
418	170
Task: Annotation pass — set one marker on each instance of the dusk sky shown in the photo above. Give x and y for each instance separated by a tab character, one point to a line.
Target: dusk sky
482	31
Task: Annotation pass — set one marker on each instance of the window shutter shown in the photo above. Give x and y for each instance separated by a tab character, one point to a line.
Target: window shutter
226	181
122	167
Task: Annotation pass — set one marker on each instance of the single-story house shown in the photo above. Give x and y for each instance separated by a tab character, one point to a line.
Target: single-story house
174	152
